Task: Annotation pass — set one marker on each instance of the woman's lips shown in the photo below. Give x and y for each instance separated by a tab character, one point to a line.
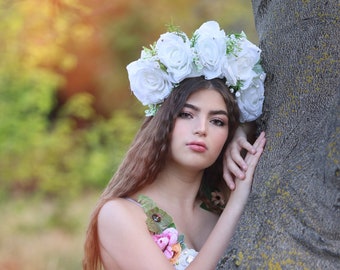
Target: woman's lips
197	146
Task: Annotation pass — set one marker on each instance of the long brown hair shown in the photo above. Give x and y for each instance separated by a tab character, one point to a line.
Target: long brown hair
148	152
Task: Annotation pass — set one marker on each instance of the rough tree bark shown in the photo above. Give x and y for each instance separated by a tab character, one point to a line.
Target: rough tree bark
292	220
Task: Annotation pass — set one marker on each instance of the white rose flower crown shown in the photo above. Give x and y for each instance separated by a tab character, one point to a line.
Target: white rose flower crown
209	53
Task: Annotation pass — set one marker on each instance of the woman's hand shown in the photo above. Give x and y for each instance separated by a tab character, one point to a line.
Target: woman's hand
251	161
240	193
233	164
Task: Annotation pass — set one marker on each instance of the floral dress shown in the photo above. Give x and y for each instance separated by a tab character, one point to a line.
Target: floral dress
164	233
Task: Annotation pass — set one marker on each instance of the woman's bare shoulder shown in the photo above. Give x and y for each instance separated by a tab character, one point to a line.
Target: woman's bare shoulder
121	223
120	211
118	220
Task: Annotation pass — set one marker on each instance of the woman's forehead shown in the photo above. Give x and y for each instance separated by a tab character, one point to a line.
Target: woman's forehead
207	98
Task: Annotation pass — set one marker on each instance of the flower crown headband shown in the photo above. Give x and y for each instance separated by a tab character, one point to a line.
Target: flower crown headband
209	53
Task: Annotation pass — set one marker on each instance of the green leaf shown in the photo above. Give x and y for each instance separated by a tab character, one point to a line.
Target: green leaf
181	241
258	68
157	219
173	28
146	202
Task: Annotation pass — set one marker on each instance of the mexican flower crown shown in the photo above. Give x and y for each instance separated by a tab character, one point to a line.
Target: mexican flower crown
209	53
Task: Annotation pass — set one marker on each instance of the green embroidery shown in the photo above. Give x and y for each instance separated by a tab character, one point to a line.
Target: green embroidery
157	219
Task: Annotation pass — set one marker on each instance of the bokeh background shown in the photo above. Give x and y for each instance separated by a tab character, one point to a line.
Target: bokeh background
67	114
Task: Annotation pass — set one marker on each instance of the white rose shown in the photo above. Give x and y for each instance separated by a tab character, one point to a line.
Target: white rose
209	46
228	72
148	82
210	29
240	63
250	100
175	54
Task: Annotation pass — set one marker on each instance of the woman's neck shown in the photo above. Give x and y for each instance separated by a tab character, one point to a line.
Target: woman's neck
175	186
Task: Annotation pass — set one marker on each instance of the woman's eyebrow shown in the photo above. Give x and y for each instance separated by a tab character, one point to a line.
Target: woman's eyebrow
218	112
212	112
188	105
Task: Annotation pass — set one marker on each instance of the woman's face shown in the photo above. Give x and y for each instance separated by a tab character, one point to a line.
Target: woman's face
200	130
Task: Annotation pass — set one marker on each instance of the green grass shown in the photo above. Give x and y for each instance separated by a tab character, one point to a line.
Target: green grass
41	234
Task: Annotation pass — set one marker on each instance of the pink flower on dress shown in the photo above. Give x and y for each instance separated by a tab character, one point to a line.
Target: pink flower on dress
167	241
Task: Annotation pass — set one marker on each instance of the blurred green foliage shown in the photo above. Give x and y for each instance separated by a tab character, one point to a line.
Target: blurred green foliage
55	157
37	155
43	155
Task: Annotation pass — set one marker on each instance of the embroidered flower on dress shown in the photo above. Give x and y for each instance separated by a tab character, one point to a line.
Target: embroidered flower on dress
187	256
176	249
168	243
163	230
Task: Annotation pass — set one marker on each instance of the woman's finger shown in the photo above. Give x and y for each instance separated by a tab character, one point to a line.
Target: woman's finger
229	179
237	159
259	144
244	144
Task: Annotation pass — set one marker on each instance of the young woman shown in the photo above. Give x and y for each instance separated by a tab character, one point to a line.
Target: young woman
168	205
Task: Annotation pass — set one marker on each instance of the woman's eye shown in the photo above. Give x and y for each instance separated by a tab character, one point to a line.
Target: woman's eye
218	122
185	115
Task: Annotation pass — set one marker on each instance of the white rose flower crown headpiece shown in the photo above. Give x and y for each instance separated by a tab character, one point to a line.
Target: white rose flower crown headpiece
209	53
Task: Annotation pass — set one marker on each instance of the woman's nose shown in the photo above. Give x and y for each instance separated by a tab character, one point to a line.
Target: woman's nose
201	127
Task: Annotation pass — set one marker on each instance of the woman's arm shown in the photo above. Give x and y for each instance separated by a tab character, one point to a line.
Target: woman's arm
219	238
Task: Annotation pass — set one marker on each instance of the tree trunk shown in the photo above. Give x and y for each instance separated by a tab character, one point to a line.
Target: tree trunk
292	220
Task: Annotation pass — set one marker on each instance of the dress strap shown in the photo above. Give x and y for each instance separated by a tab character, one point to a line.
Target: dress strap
133	201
